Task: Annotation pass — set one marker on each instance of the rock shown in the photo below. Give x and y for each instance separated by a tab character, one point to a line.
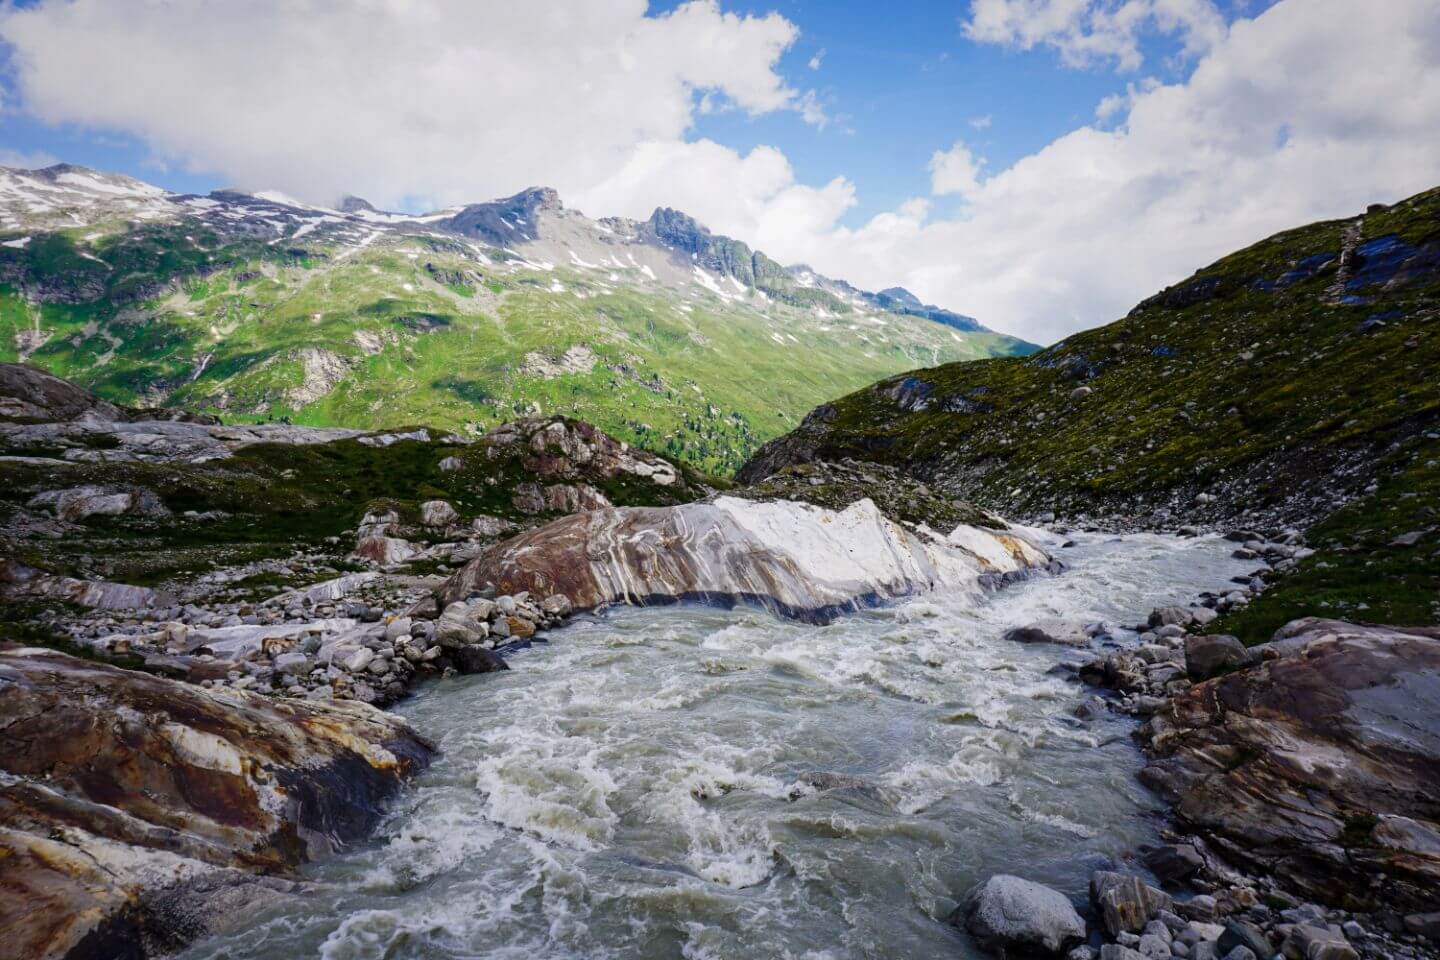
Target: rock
1080	393
294	664
1203	616
1114	951
556	605
1298	766
477	659
1048	632
455	628
1208	655
328	591
1307	942
1424	925
118	785
437	514
80	503
1408	539
1164	616
385	551
1008	913
793	558
1153	947
357	660
397	628
520	628
1242	933
1175	861
17	580
1125	903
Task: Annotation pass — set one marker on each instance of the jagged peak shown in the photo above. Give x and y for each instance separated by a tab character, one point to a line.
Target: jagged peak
353	204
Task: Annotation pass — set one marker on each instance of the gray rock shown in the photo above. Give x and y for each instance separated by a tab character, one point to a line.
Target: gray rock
477	659
1153	947
1242	933
1165	616
1126	903
1008	912
1206	656
294	663
1314	942
1114	951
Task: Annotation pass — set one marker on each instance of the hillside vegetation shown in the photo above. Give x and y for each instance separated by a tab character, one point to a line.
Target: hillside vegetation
1277	386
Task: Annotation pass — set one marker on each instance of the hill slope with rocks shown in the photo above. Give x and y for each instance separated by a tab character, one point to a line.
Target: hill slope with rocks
1289	384
260	307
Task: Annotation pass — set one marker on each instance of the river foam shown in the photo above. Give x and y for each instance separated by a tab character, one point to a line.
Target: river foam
688	782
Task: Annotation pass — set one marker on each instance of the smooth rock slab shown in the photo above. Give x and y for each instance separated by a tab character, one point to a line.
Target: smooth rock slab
1008	912
118	786
794	559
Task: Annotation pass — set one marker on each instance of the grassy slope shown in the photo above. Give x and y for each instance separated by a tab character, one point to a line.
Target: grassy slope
1252	382
706	380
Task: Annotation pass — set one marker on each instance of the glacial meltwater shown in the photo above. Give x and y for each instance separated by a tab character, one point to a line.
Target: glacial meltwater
689	782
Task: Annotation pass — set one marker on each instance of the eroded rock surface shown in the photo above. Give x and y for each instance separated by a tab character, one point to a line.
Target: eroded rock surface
795	559
1320	765
122	793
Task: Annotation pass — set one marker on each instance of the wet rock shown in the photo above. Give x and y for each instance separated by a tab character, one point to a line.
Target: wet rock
1299	767
1008	913
119	785
477	659
1125	903
1047	632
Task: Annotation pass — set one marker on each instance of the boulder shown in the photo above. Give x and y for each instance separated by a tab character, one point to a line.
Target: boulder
1320	765
1307	942
1008	913
1242	933
1205	656
438	514
1047	632
793	558
1125	903
385	551
1174	861
124	794
477	659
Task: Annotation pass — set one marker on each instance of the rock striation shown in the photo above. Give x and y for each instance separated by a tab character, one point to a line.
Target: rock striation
795	559
135	810
1320	765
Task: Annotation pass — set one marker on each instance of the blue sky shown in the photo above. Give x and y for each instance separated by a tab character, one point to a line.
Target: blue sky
1225	121
899	81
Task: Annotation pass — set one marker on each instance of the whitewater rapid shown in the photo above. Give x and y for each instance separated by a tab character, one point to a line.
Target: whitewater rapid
687	782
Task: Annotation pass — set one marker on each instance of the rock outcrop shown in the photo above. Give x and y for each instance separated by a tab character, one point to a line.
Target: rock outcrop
135	811
1319	765
795	559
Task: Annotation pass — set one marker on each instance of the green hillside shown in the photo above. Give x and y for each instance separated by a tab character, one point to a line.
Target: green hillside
1273	387
409	325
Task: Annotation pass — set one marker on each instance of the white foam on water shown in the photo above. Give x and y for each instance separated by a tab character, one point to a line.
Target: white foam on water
655	783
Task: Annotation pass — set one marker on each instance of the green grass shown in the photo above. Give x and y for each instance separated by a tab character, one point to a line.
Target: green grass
219	325
1274	386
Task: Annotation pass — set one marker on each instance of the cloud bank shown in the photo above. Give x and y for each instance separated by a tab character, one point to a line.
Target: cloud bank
1305	111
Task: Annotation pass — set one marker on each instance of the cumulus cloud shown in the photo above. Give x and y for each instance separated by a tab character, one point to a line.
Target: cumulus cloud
1304	113
956	171
817	59
1092	32
447	99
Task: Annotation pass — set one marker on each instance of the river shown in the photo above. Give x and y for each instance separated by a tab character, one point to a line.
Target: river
689	782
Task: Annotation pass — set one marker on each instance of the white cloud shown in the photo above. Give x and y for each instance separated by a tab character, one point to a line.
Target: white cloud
448	99
817	59
956	170
25	159
982	122
1090	32
1304	113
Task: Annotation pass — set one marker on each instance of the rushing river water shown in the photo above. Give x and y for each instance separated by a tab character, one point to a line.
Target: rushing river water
685	782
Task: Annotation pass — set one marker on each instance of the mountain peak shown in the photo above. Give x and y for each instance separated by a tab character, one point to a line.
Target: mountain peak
353	204
901	295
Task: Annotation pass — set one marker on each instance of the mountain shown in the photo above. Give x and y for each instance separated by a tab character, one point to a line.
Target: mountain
258	306
1291	383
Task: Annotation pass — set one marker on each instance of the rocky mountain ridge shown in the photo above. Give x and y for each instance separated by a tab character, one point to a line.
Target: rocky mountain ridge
259	306
1287	385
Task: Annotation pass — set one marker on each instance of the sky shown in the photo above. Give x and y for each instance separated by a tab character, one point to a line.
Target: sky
1041	165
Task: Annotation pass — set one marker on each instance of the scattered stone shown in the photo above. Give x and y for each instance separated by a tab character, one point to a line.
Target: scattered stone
1010	913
